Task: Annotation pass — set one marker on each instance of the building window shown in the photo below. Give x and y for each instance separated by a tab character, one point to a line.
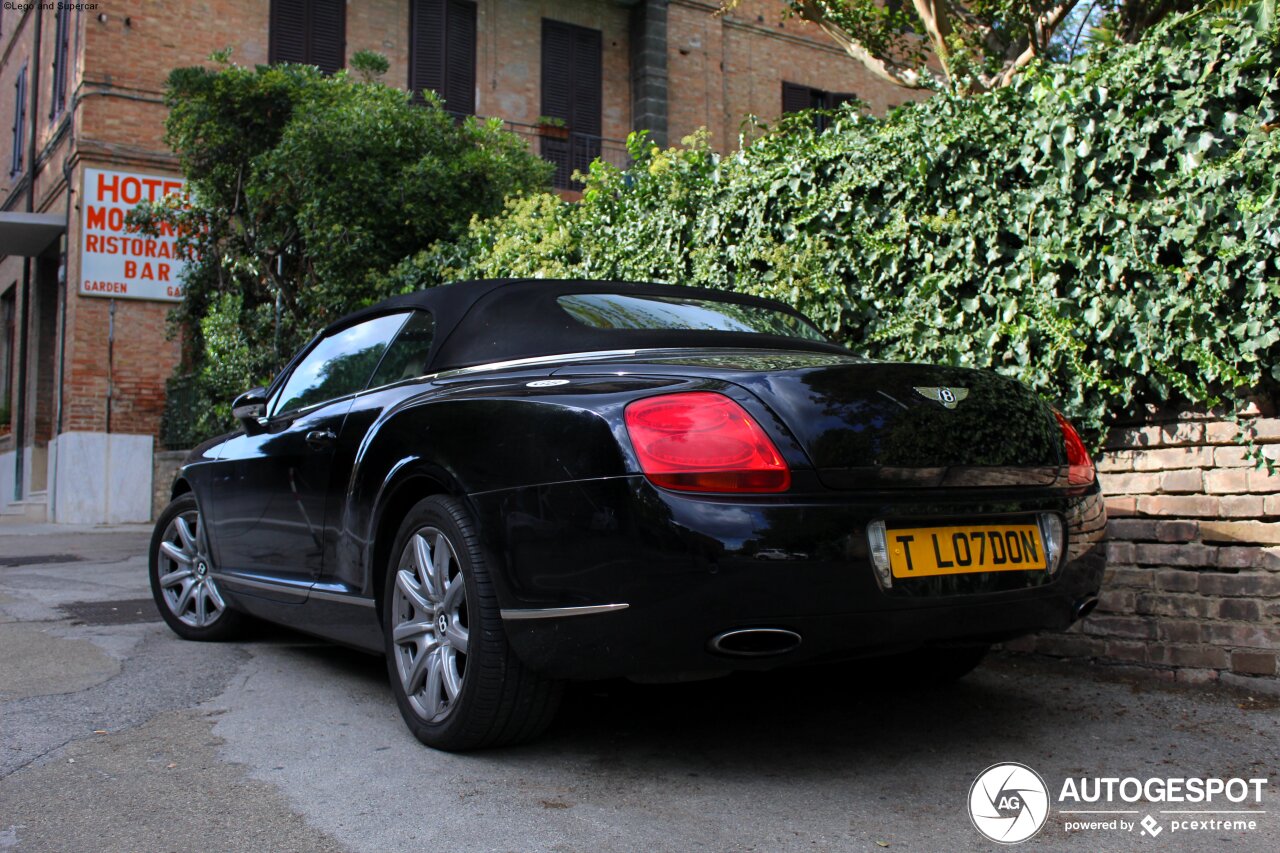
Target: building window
62	38
310	33
572	93
796	98
442	52
19	121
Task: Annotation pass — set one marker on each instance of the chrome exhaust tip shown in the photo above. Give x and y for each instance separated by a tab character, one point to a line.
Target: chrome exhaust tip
755	642
1085	607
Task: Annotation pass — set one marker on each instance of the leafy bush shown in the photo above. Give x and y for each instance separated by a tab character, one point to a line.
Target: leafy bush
306	188
1105	232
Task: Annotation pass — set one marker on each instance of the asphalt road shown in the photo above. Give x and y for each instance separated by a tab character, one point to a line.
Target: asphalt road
118	736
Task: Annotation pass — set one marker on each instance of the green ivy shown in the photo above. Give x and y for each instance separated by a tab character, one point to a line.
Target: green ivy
1105	232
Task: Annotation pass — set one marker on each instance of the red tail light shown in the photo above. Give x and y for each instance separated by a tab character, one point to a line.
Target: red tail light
1080	465
699	441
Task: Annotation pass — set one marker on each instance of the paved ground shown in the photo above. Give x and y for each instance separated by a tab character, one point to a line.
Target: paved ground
115	735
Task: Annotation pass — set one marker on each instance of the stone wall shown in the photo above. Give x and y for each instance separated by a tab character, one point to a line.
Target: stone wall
1193	586
165	465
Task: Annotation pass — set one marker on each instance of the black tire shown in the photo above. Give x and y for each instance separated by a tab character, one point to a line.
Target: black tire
499	701
202	614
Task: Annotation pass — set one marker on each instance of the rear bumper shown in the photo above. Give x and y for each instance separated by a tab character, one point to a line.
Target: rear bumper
689	568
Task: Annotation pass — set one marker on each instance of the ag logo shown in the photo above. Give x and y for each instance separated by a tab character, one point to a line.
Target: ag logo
1008	803
948	397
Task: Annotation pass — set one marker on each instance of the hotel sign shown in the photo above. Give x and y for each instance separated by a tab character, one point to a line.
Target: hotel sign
115	262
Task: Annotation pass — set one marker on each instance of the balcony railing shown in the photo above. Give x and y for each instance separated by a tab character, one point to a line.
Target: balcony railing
571	151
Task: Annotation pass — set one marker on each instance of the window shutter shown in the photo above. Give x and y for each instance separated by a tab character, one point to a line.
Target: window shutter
426	46
19	120
795	97
586	81
312	33
838	99
328	35
572	91
557	70
288	38
460	57
60	59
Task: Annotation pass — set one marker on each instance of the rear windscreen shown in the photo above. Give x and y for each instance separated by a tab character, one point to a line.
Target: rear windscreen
673	313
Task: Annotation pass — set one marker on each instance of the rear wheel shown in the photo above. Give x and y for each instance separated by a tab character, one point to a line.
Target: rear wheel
456	680
181	584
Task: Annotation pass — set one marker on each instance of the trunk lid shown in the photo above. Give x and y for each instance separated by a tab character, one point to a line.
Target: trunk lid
868	424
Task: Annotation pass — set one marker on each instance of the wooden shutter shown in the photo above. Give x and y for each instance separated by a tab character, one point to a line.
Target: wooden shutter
838	99
60	59
288	38
442	52
587	87
572	90
328	36
795	97
19	120
426	46
557	70
460	57
311	33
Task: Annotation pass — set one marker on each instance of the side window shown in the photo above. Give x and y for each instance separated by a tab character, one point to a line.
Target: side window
407	356
339	365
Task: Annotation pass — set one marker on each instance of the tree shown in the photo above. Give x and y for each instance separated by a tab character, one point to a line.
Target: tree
973	45
305	188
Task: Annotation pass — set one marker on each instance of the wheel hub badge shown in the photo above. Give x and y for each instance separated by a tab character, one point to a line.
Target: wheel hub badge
201	568
443	623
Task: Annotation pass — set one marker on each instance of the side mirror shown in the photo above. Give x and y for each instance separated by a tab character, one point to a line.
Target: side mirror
249	407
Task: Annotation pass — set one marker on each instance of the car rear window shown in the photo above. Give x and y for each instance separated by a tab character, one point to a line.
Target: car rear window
673	313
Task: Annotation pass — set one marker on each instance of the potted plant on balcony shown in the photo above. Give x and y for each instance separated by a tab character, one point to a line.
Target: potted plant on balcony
551	127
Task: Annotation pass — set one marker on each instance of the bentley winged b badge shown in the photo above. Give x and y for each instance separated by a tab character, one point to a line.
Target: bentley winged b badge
948	397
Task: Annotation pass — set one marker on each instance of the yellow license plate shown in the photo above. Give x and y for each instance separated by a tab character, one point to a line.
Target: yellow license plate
918	552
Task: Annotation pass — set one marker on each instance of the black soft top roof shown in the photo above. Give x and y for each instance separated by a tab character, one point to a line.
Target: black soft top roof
481	322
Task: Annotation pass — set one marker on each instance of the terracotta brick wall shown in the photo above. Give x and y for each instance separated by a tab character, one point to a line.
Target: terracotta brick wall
1193	587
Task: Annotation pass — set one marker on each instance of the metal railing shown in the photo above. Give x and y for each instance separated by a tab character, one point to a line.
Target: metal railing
570	151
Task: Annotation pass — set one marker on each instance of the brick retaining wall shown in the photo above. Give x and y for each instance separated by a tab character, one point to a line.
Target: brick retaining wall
1193	586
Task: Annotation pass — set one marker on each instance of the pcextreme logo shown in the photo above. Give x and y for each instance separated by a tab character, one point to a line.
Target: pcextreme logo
1009	803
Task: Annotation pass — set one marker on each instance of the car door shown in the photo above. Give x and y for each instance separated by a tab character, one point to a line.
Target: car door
271	492
405	360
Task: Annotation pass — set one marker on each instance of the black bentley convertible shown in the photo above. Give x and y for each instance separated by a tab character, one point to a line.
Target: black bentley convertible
505	484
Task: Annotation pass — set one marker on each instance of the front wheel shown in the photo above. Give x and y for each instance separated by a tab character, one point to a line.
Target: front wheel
181	584
456	680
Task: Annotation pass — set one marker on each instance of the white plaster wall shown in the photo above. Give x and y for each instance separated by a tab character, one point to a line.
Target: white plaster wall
101	478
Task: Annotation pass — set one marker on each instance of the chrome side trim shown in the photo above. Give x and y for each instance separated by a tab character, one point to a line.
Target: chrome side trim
556	612
288	589
341	598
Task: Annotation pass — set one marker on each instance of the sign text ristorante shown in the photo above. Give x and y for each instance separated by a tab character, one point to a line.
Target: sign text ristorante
115	261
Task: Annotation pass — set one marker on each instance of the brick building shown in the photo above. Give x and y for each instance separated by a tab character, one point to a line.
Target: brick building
83	350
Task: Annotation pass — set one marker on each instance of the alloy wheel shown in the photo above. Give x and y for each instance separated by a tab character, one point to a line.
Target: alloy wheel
429	624
188	590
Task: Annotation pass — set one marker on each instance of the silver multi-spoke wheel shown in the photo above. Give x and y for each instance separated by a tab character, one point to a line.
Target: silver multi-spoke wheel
183	573
429	623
